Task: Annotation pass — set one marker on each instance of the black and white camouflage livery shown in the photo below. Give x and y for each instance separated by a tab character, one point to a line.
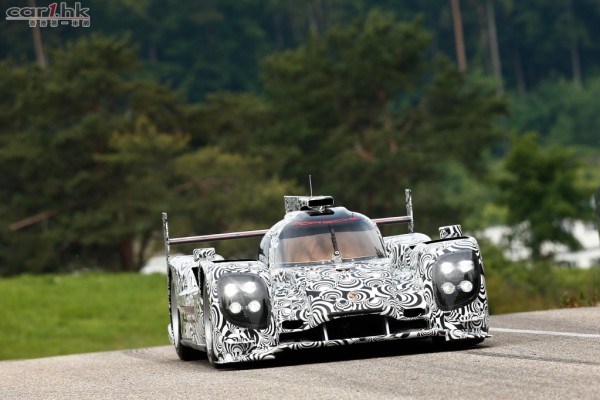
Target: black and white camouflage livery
416	288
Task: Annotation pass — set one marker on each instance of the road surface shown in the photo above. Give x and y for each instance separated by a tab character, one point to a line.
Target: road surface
549	354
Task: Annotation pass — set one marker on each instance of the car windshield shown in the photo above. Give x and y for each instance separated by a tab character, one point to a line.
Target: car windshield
315	240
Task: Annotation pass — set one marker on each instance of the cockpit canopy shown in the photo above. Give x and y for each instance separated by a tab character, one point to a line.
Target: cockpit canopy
319	238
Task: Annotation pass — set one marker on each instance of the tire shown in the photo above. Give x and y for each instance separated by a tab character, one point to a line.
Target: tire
185	353
208	327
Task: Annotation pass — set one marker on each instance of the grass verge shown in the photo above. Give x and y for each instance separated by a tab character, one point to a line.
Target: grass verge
530	286
63	314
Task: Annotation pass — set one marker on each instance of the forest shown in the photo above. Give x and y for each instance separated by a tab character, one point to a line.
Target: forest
213	110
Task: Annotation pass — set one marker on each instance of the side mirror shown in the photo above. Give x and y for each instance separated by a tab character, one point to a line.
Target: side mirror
450	231
207	253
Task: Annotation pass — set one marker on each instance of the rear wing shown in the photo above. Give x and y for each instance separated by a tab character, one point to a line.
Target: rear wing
205	238
408	218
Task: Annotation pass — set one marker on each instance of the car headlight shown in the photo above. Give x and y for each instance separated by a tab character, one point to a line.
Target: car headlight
244	300
456	279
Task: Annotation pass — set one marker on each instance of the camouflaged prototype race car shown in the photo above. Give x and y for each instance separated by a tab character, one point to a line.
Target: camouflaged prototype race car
324	277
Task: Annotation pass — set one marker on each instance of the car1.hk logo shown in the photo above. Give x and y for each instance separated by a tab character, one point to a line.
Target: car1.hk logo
54	15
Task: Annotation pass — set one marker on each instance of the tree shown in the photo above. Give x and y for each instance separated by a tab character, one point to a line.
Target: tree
458	35
540	188
561	113
361	110
205	190
139	166
93	155
58	120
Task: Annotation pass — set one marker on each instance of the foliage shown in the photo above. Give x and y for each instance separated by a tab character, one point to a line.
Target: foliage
84	96
106	156
366	116
562	113
540	188
364	103
51	315
527	286
202	47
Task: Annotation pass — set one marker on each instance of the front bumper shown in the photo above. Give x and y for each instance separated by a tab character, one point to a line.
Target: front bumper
270	353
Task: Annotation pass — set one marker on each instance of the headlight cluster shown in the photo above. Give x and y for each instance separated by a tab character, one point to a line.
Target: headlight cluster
456	279
244	300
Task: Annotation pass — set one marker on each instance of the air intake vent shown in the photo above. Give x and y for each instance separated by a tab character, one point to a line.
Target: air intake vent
292	324
323	201
397	326
356	327
299	203
353	327
414	312
309	335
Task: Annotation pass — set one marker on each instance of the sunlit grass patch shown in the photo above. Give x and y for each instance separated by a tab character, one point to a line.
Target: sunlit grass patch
63	314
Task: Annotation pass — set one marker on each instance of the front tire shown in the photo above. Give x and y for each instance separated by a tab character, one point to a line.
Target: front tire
185	353
208	327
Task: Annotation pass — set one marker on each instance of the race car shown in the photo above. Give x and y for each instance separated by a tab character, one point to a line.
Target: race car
324	276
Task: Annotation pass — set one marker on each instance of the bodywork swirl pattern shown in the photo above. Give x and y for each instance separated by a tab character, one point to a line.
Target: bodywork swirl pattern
397	289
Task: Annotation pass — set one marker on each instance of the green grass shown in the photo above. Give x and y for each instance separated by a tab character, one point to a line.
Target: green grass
64	314
542	288
529	286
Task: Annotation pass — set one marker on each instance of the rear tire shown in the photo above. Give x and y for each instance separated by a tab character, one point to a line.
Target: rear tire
185	353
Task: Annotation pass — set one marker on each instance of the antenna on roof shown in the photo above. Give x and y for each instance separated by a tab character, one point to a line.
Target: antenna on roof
310	184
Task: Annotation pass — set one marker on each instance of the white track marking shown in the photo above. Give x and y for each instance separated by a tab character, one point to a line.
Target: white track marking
552	333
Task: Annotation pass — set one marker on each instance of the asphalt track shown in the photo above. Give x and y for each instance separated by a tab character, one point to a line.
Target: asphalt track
549	354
